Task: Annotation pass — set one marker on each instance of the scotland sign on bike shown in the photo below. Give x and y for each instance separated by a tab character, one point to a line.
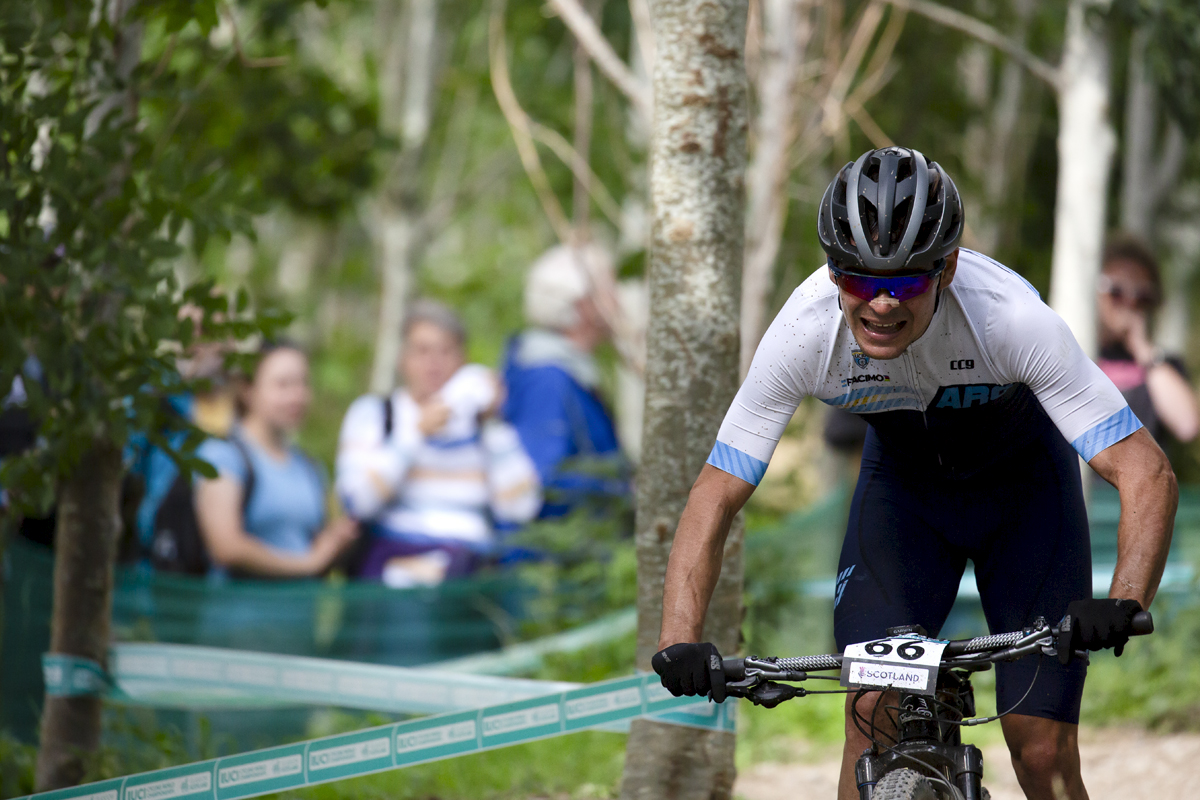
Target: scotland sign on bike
904	662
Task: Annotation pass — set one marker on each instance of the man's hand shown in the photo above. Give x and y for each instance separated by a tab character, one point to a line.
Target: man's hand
692	669
1101	624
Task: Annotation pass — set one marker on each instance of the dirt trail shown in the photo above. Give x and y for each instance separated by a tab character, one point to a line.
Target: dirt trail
1118	764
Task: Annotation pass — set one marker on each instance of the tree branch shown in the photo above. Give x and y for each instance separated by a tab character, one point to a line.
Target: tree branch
245	60
985	33
590	39
579	166
518	123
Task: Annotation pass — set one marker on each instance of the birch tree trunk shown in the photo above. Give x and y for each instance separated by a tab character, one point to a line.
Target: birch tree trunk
786	29
88	526
85	549
698	158
1085	151
1148	172
409	44
995	152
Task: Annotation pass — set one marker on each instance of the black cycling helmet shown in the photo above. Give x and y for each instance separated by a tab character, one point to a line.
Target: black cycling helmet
907	210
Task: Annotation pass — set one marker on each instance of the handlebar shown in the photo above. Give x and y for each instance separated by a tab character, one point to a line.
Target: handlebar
1001	646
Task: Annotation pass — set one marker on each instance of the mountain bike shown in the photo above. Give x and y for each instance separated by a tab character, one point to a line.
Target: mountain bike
924	695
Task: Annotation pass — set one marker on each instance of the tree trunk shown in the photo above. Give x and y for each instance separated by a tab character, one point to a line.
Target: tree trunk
409	44
786	29
995	154
698	159
1085	150
85	551
1148	172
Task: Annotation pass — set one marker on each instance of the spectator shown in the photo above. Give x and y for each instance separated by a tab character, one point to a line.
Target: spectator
425	466
1154	384
152	472
553	380
282	532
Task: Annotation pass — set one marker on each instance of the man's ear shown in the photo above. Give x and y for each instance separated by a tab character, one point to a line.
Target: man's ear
948	273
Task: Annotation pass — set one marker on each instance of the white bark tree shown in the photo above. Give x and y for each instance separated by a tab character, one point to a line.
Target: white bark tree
698	159
408	47
997	145
1086	143
787	26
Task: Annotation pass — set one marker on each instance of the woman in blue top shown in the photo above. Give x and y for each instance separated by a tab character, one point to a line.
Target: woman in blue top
283	533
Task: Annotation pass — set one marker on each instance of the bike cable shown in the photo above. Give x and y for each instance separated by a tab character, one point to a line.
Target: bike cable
967	723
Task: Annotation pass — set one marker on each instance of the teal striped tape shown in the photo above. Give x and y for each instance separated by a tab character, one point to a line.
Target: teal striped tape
187	676
406	744
72	676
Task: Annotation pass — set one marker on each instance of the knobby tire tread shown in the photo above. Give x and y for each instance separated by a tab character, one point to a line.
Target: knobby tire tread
904	784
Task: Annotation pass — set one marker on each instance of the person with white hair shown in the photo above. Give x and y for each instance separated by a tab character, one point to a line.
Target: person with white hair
553	380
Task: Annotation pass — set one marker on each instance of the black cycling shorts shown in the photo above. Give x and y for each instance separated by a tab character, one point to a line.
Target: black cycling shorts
1023	524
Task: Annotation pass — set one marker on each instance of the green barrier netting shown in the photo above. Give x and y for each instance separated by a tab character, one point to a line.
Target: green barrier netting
362	622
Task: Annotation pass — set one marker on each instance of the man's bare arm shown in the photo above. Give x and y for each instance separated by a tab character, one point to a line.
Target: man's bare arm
1149	495
695	562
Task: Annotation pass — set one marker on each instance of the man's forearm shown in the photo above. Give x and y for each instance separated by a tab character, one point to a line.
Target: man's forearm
1144	535
696	555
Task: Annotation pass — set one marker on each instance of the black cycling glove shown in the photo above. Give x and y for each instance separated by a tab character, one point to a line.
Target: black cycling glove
693	669
1103	623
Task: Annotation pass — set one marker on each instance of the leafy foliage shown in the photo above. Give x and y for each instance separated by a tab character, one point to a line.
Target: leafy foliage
91	215
1173	59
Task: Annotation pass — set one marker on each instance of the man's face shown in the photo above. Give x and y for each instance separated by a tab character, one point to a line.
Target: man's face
884	327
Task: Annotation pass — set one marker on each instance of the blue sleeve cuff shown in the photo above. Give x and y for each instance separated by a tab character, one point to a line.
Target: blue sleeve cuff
1107	433
737	463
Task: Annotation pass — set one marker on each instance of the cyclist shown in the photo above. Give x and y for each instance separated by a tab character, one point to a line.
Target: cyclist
978	399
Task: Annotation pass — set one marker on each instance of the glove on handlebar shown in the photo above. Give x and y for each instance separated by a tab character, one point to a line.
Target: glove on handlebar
692	669
1102	623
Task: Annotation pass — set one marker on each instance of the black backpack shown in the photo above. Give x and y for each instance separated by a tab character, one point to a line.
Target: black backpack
178	545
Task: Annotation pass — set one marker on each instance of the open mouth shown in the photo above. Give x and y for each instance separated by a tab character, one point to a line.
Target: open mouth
882	329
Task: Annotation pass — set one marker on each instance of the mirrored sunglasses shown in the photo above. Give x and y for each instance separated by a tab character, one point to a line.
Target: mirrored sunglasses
900	287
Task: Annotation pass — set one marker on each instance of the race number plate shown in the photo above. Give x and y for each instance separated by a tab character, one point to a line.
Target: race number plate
901	662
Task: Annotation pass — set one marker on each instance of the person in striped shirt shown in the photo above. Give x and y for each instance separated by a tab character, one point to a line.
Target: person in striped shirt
430	469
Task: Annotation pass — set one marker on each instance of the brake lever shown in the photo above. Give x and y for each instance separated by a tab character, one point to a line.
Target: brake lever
770	694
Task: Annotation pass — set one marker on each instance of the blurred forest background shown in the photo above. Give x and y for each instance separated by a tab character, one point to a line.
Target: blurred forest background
374	151
390	147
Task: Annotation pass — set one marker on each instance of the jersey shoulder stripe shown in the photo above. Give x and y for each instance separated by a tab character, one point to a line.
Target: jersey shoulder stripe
737	463
1112	430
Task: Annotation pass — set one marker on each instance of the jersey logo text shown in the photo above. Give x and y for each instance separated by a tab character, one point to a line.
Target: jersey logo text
865	379
966	396
963	363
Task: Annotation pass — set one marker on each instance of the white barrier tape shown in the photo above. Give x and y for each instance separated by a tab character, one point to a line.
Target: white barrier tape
208	677
405	744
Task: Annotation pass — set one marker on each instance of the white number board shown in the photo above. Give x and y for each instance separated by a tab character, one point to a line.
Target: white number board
901	662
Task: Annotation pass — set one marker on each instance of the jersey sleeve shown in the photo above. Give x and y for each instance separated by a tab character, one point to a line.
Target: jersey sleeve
774	386
1035	346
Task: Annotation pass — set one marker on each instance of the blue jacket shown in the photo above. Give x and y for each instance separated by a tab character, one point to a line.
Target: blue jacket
561	421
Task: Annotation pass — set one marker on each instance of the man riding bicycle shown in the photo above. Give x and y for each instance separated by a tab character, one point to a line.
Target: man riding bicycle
979	400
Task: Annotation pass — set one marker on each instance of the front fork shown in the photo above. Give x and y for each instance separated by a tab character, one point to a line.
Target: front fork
965	761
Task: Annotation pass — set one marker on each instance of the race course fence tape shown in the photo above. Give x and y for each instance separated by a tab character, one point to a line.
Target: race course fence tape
409	743
187	676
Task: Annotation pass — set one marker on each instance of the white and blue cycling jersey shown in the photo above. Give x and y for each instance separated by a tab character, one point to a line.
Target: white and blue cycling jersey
996	369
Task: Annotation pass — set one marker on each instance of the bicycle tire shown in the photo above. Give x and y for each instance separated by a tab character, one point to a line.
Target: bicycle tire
904	784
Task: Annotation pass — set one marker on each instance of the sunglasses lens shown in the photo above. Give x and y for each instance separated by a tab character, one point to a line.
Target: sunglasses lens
868	288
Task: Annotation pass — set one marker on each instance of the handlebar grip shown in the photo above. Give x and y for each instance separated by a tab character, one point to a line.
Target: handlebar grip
734	668
1143	623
